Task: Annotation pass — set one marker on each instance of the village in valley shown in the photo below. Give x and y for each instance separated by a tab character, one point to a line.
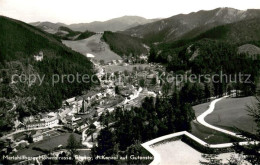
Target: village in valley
162	90
122	83
119	87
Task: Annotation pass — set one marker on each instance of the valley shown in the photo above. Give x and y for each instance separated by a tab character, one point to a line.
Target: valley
143	97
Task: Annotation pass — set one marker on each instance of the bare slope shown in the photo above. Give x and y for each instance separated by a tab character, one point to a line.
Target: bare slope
95	46
249	49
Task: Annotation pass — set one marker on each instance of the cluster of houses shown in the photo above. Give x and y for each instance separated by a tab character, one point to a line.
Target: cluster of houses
115	62
81	105
50	120
41	121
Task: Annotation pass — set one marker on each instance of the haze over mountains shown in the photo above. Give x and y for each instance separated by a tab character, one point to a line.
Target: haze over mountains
176	27
116	24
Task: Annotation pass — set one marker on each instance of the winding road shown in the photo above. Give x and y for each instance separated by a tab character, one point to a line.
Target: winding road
157	158
211	108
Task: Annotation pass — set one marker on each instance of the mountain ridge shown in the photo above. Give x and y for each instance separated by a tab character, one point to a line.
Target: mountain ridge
115	24
175	27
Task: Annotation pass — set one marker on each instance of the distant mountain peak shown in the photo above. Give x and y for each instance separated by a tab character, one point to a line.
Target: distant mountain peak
115	24
190	25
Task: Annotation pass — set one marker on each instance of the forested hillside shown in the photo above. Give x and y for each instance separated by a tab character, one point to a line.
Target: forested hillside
156	117
66	33
123	44
19	43
183	26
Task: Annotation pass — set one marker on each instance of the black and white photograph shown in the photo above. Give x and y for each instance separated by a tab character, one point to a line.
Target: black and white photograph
129	82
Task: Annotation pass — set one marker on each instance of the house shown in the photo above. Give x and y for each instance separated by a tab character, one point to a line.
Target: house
37	136
110	109
64	113
90	55
71	126
120	61
71	119
71	122
110	93
99	96
35	124
114	61
97	124
52	119
39	56
80	128
21	126
151	76
18	125
70	101
143	57
28	119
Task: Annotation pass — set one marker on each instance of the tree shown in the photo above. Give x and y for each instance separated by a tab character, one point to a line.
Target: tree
30	139
166	89
117	91
251	152
154	80
152	56
211	159
2	58
72	145
61	159
106	146
102	62
134	149
91	130
208	90
234	160
142	82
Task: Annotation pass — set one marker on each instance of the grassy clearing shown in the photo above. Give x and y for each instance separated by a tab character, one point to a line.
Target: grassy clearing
232	112
206	134
209	135
29	152
95	46
51	143
199	109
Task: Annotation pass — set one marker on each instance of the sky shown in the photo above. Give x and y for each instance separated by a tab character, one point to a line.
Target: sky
83	11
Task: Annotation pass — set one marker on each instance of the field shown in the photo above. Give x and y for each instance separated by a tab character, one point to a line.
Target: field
49	143
54	142
50	134
179	153
29	152
206	134
232	112
200	108
94	46
210	136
